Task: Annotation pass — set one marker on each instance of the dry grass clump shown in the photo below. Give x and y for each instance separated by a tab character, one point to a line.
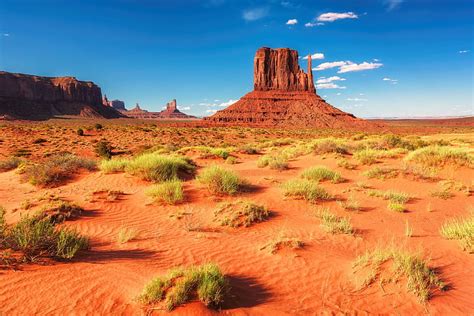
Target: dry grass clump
273	162
113	165
126	234
157	168
367	156
57	169
208	152
344	163
381	173
329	145
205	282
437	156
10	164
461	229
220	181
282	242
351	204
321	173
170	192
334	224
60	211
393	196
240	213
305	189
421	279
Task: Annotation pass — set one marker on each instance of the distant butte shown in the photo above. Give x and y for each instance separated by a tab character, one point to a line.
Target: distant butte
170	112
284	95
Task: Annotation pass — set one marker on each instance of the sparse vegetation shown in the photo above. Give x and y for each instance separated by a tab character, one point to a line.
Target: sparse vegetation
366	156
321	173
103	149
461	229
218	180
329	145
179	285
381	173
159	168
437	156
126	234
240	213
421	279
170	192
273	162
56	169
334	224
10	164
393	196
282	241
351	204
113	165
305	189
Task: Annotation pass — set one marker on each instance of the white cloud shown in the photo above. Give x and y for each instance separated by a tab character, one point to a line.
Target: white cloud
460	52
185	108
338	93
329	85
356	99
6	34
211	111
292	22
350	66
330	79
315	56
255	14
225	104
312	24
329	65
332	16
393	4
393	81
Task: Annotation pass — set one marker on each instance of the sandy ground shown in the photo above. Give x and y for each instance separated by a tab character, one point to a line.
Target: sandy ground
317	279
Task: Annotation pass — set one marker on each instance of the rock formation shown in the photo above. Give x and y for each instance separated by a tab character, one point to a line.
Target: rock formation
284	95
170	112
34	97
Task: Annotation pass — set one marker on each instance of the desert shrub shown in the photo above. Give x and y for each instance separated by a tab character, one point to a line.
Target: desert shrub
80	132
180	285
3	226
393	196
329	145
208	152
158	168
282	241
69	243
231	160
273	162
60	211
170	192
219	180
248	149
98	126
351	204
33	237
321	173
305	189
461	229
39	141
58	168
421	279
366	156
381	173
113	165
240	213
334	224
10	164
126	234
344	163
103	149
436	156
396	207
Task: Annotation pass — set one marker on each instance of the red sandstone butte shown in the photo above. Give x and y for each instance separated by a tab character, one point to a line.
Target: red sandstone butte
34	97
284	95
170	112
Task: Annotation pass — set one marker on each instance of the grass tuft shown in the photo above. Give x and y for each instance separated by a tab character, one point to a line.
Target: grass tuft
170	192
461	229
158	168
334	224
321	173
240	213
305	189
437	156
218	180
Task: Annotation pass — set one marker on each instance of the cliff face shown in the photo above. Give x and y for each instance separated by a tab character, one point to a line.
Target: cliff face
284	95
278	69
34	97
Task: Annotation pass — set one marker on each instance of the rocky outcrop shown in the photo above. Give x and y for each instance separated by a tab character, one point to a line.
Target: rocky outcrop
34	97
170	112
284	95
118	105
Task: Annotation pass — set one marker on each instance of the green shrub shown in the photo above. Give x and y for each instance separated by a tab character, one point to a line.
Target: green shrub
219	180
113	165
58	168
396	207
437	156
462	230
274	162
103	149
33	237
10	164
159	168
381	173
80	132
393	196
182	284
240	213
366	156
98	126
329	145
170	192
334	224
321	173
69	242
305	189
231	160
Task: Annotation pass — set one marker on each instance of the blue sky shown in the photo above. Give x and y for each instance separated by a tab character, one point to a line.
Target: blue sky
201	52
